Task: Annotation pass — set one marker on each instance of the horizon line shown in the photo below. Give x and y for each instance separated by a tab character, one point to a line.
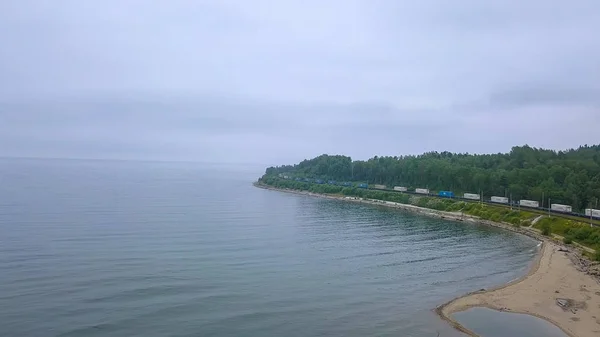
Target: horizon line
128	160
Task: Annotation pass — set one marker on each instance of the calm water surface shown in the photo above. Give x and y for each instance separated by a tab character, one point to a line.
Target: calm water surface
100	248
490	323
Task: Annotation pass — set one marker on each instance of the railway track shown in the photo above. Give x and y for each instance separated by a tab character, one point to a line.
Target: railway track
537	210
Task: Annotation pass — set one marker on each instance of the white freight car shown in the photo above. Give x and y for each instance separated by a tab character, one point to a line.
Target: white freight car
561	208
471	196
593	212
529	203
400	188
502	200
379	187
422	190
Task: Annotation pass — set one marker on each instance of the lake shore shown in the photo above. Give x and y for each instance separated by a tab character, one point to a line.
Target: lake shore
456	216
557	288
554	290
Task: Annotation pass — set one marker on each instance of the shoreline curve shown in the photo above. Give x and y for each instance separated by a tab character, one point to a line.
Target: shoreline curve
540	301
445	312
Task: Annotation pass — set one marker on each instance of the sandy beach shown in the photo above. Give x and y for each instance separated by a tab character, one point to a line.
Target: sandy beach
554	289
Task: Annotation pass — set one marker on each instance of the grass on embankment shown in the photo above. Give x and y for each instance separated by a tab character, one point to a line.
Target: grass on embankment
572	231
484	211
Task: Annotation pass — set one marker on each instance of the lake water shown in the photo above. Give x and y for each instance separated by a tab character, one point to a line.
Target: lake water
107	248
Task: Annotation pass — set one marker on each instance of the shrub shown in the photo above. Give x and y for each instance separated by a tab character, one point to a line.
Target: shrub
594	238
567	240
546	229
485	215
422	202
597	255
583	233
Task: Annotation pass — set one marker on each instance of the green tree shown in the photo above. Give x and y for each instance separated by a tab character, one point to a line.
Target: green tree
569	177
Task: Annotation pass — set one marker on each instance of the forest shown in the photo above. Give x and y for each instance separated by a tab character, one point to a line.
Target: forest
570	177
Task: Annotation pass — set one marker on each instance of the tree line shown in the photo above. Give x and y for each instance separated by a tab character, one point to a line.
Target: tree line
570	177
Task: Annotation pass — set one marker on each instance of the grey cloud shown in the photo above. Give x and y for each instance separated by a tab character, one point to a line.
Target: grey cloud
280	81
541	95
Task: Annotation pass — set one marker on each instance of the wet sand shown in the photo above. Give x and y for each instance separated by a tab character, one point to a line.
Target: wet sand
553	290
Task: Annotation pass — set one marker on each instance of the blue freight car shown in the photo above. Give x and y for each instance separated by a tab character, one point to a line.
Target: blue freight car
319	181
446	194
363	185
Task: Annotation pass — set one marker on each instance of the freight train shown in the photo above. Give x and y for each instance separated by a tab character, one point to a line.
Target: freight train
527	204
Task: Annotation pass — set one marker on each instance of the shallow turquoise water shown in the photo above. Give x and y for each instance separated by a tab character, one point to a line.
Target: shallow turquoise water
99	248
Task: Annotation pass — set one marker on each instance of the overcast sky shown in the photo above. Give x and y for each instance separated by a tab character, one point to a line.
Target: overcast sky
275	82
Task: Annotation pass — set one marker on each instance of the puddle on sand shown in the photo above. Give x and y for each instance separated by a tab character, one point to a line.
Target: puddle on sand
491	323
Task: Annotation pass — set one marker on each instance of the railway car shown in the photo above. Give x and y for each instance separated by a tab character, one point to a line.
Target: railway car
471	196
363	185
446	194
379	187
592	212
400	188
422	190
529	203
501	200
561	208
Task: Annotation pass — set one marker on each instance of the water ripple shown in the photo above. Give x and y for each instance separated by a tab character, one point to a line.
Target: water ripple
130	249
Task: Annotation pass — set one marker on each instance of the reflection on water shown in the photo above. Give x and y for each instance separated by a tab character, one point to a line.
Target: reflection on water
491	323
115	249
